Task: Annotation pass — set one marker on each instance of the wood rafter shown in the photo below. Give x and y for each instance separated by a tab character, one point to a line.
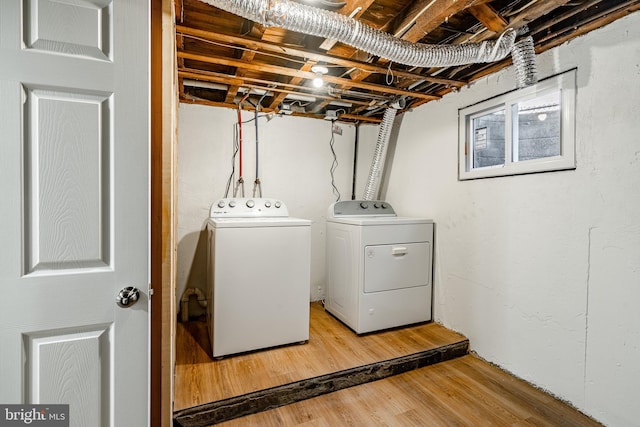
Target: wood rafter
298	52
236	54
286	89
278	70
488	17
423	16
427	15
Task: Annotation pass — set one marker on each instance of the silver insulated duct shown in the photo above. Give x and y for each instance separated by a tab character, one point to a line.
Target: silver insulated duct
524	62
372	187
305	19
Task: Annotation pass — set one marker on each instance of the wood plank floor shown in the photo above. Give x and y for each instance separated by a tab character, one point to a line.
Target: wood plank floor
465	391
332	347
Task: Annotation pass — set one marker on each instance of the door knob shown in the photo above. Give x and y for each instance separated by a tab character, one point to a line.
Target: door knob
127	296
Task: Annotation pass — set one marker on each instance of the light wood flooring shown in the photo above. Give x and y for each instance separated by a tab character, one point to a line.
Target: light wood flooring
463	392
332	347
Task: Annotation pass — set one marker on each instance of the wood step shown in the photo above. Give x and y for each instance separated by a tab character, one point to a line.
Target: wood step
415	378
334	358
264	400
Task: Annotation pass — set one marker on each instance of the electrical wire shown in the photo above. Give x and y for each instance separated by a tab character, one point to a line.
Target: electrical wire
240	182
334	165
244	122
257	185
236	148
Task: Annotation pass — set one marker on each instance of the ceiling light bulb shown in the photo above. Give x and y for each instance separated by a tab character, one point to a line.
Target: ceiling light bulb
317	81
319	69
542	117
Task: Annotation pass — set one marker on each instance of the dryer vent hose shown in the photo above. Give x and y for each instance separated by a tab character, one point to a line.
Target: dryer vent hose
310	20
379	155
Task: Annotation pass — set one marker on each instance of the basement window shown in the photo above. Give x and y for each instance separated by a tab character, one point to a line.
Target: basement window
525	131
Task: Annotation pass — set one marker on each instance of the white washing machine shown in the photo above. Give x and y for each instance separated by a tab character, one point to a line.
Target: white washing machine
258	274
379	266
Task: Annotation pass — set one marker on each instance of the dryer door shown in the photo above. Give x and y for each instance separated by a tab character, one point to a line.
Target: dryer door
396	266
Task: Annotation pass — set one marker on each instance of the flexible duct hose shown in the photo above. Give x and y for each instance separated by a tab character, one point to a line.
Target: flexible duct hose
323	23
379	155
524	62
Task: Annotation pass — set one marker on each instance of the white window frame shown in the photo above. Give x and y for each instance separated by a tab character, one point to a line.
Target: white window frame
566	83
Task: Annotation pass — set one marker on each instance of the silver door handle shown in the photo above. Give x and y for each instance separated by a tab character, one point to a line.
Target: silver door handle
127	296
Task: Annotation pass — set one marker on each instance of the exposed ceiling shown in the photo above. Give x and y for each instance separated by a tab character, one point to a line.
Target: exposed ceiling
224	59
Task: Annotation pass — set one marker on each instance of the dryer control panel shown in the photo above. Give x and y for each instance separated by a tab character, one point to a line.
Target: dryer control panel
248	208
360	208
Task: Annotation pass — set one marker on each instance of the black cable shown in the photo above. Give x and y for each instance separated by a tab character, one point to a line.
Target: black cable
253	119
355	162
236	148
334	165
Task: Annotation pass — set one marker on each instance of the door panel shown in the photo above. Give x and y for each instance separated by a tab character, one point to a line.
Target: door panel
66	179
75	364
399	266
74	173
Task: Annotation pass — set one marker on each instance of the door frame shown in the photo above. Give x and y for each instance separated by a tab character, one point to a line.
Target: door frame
164	113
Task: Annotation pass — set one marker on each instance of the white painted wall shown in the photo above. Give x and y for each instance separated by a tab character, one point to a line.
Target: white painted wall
542	272
295	159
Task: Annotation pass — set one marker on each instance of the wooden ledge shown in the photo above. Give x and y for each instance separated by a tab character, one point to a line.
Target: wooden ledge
264	400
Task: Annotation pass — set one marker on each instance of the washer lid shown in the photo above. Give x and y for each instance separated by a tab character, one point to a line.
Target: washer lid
258	222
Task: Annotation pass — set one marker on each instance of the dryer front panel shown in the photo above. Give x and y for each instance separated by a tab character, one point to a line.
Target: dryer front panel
396	266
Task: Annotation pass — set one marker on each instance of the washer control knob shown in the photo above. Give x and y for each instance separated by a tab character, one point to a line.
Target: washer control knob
221	204
364	205
232	204
267	204
376	205
384	205
277	204
250	203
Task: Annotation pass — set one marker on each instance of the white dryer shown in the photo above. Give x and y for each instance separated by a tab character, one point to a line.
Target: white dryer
379	266
258	274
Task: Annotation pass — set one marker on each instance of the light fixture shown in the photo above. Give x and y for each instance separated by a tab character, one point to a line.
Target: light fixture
542	117
320	71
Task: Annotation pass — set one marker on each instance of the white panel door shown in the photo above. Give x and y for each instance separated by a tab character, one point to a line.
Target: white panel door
74	207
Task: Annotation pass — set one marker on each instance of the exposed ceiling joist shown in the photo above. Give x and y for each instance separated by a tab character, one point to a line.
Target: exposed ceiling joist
237	55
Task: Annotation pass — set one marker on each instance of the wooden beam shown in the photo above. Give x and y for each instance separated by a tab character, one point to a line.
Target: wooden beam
359	118
489	17
308	55
277	100
185	74
422	17
559	18
427	15
341	117
274	69
347	10
194	100
534	12
589	24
